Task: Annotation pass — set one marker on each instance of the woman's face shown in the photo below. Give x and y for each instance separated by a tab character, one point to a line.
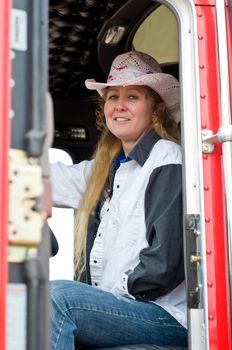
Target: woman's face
128	113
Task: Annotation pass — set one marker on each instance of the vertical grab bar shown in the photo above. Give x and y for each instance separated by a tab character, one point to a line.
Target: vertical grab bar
225	110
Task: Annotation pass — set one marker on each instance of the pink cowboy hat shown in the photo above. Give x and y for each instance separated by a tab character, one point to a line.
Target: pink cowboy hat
138	68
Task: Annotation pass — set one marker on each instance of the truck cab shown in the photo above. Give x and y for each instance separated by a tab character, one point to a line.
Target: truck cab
48	49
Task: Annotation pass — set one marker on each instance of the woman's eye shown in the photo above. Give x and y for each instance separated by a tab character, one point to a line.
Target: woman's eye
133	97
111	97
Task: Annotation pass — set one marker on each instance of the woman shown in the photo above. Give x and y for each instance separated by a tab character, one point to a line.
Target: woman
129	245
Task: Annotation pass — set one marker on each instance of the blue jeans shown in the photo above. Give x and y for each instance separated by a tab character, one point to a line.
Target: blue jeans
89	316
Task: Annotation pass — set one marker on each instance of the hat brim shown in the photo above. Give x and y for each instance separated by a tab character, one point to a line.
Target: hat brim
163	84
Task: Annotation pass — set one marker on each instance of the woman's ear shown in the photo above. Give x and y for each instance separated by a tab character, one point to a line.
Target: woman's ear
160	108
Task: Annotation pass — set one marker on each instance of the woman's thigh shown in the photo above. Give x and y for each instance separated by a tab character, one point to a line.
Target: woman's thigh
97	318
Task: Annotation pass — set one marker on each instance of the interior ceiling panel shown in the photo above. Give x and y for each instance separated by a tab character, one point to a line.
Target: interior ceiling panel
73	29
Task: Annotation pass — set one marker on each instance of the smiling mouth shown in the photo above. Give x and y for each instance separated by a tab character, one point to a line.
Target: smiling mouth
120	119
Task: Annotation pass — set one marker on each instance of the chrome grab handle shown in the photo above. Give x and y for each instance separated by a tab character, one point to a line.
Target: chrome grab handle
224	134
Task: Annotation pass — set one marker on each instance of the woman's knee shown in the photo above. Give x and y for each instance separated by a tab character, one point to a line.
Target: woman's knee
60	291
71	293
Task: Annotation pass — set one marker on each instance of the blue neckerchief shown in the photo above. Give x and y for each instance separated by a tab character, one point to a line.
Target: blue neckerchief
121	158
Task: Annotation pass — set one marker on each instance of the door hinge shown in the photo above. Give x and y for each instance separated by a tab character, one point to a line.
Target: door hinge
193	259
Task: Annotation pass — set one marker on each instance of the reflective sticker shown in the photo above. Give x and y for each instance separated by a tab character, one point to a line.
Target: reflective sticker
19	30
16	316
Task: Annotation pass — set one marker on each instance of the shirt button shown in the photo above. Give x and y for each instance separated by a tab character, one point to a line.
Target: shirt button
108	209
96	284
118	186
95	261
99	235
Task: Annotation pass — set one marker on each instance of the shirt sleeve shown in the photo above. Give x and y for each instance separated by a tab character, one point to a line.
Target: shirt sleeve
161	266
69	183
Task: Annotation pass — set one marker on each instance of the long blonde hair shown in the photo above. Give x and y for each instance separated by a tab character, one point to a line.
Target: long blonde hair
107	149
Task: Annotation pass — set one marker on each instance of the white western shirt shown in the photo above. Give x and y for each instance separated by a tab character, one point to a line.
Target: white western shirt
121	236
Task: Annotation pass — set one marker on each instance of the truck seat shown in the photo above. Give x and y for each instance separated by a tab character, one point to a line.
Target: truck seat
143	347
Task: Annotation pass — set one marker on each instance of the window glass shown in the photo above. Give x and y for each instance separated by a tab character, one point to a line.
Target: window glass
62	223
161	33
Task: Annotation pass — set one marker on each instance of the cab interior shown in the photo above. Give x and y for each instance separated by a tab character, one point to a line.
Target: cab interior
84	38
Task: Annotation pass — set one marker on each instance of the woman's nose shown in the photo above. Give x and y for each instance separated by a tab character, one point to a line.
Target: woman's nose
120	105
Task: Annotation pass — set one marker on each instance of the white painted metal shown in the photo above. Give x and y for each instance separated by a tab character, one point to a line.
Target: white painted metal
192	154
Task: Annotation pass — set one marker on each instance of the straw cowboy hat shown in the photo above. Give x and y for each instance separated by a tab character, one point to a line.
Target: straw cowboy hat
138	68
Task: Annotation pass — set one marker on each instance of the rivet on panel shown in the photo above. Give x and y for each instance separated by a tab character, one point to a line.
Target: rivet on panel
204	132
208	251
211	317
206	188
203	126
201	66
12	113
210	284
12	83
202	95
199	14
12	54
207	219
200	37
205	156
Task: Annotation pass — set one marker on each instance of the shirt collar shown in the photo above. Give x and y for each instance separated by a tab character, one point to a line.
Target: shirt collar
140	152
142	149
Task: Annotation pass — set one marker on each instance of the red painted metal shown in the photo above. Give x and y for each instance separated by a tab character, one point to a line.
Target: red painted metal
216	240
4	145
229	45
204	2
